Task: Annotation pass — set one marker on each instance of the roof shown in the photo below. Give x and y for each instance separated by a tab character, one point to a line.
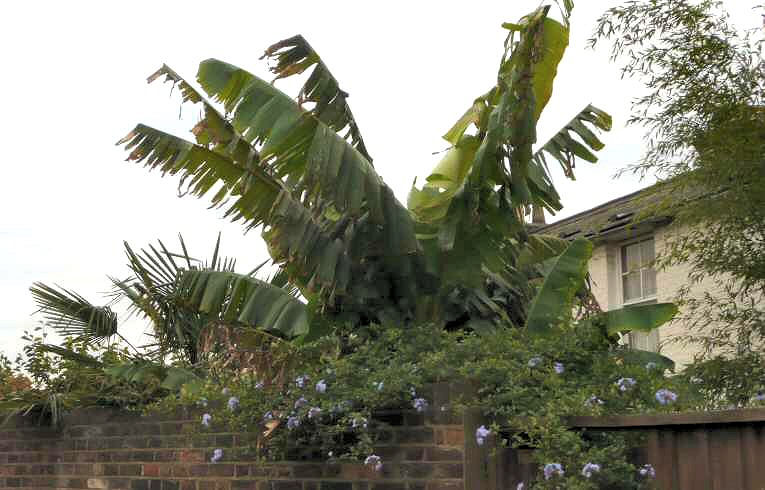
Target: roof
614	219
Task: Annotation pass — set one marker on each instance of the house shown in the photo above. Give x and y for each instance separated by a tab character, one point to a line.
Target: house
622	266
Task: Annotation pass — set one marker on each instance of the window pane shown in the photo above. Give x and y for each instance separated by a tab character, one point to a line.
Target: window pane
649	282
645	340
647	253
631	257
631	286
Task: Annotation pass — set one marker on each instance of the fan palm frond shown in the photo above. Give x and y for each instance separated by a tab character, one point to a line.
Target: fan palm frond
70	314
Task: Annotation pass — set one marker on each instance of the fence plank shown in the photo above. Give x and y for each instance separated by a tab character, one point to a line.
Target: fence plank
693	459
665	459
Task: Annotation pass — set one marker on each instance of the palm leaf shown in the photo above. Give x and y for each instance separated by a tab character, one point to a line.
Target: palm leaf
643	318
554	302
72	315
316	162
564	148
294	56
71	355
236	298
213	131
294	235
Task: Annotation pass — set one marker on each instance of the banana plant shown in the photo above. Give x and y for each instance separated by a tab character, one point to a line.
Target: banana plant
554	305
300	170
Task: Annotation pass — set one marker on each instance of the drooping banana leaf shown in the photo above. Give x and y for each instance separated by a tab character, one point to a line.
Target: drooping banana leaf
176	377
213	130
72	315
643	357
565	148
236	298
258	198
554	303
71	355
294	56
642	318
539	248
309	154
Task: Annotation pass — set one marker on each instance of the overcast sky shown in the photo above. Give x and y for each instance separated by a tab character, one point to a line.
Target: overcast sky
74	82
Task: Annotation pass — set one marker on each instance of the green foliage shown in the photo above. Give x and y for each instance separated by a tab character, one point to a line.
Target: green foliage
513	372
703	109
337	231
74	376
555	300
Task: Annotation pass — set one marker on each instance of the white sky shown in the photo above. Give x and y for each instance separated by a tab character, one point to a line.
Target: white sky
73	82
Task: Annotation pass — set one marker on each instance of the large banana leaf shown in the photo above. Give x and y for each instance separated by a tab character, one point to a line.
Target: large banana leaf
294	56
554	303
258	198
540	248
565	148
312	157
234	298
643	318
72	315
305	182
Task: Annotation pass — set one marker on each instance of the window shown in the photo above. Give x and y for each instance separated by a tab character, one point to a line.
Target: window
638	274
638	280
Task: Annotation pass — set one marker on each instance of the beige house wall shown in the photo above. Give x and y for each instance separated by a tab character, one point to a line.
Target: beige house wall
605	274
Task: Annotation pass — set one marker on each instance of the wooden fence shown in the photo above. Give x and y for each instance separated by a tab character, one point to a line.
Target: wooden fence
693	451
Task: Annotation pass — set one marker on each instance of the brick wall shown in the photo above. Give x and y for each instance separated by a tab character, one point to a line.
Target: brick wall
102	449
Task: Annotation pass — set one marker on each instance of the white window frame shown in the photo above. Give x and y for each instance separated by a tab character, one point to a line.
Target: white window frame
629	339
620	274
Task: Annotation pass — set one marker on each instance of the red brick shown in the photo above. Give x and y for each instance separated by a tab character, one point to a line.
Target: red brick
191	456
150	470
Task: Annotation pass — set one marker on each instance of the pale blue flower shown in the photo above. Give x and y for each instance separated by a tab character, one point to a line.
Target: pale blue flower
314	412
625	384
592	401
412	391
552	469
647	470
359	422
233	403
217	456
268	416
301	402
589	469
375	461
534	362
293	422
206	418
760	396
259	385
321	386
651	365
559	368
380	386
225	392
481	434
664	396
420	404
520	486
301	380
